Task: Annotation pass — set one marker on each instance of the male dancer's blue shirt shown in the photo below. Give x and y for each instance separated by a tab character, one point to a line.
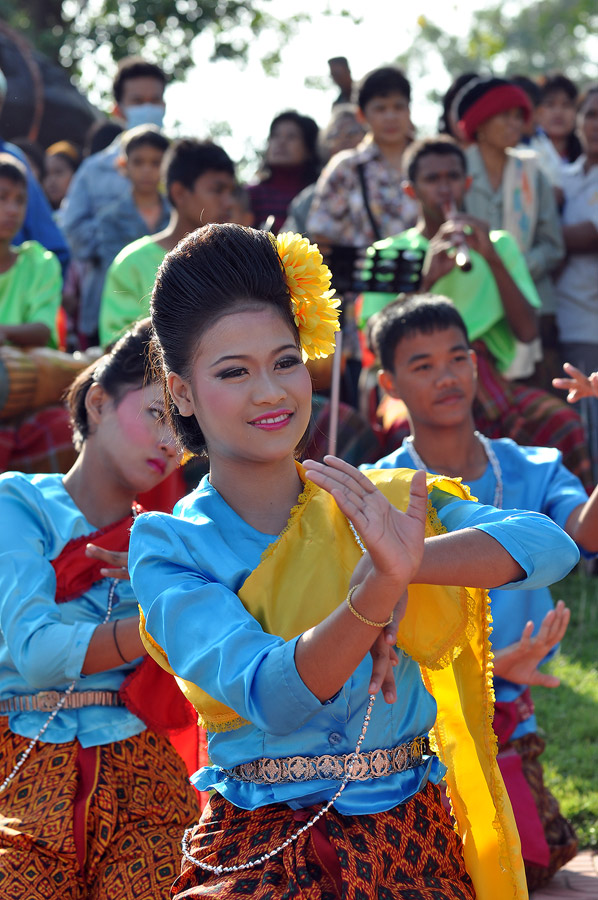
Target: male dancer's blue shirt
534	478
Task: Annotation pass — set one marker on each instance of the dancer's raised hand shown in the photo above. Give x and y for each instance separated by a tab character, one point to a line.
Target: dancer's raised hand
393	539
394	546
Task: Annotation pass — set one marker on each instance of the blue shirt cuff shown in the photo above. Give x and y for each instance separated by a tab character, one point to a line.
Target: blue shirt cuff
82	634
543	560
302	704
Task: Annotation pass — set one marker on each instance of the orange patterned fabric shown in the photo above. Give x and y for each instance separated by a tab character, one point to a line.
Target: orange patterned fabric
410	852
104	823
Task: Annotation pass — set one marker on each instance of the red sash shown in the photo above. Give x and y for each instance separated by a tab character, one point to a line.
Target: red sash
148	691
76	572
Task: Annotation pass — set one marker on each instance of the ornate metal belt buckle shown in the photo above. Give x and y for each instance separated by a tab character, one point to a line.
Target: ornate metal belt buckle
379	763
271	770
298	768
330	766
361	766
416	750
47	700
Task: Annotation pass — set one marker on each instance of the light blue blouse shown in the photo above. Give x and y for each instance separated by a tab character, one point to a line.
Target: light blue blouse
42	643
186	570
534	478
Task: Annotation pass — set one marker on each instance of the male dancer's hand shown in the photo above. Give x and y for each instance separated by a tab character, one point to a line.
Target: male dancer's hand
578	385
519	661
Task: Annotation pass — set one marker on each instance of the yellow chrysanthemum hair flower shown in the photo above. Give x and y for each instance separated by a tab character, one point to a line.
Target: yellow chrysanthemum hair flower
315	308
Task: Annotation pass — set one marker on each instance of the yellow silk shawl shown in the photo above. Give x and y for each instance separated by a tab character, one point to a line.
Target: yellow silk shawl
445	629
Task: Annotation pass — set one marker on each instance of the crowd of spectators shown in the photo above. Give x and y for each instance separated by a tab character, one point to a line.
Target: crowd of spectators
498	212
510	178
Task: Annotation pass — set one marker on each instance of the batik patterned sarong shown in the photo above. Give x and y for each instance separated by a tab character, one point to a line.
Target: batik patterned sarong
97	823
410	852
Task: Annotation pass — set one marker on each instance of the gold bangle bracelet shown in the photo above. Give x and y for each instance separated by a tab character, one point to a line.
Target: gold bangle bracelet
363	618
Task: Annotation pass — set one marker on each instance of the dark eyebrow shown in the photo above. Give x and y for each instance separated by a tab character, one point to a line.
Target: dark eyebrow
458	347
241	356
418	356
454	170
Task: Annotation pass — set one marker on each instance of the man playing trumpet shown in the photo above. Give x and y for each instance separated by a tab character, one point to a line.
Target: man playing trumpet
483	273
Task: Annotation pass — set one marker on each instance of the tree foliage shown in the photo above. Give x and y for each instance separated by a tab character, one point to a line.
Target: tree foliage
543	36
70	31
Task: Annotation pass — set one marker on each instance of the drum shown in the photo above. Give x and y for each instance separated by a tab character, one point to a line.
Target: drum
34	378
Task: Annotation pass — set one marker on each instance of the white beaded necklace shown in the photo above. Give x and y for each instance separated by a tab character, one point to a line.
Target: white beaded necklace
27	751
220	870
490	454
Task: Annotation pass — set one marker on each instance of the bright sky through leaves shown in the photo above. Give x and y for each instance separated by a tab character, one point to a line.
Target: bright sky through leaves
243	99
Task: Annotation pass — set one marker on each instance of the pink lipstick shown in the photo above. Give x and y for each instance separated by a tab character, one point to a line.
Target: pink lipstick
273	421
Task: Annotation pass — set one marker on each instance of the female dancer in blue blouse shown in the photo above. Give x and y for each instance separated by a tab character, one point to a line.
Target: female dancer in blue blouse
256	596
92	803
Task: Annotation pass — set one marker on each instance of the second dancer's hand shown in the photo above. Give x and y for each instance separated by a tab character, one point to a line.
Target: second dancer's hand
520	661
116	563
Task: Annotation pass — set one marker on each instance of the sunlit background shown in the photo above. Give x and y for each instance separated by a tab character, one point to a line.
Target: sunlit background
235	103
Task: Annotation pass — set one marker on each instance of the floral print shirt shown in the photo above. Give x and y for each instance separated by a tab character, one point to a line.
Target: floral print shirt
338	211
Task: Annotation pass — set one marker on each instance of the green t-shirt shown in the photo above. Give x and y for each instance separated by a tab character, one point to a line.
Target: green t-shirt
31	290
128	288
474	293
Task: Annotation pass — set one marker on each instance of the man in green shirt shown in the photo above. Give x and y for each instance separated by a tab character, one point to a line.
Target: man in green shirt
496	296
200	179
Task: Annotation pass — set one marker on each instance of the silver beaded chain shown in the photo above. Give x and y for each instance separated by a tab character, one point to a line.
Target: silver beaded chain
221	870
490	454
495	466
27	751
